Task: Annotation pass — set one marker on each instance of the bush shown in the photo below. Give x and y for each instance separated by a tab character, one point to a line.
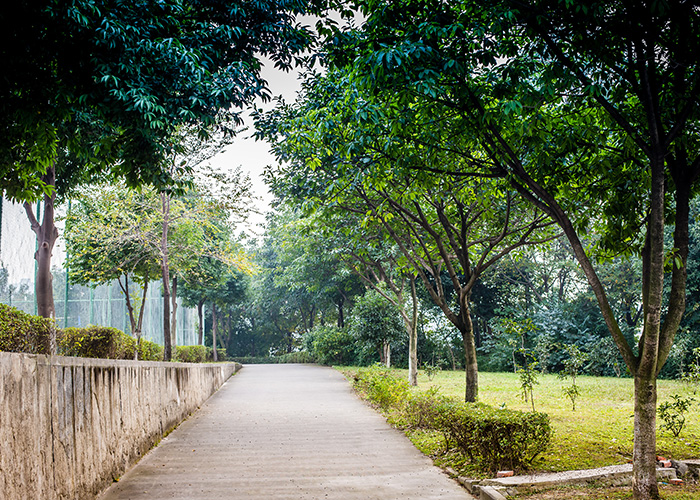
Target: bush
330	345
494	438
295	357
491	438
96	342
220	354
382	387
292	357
22	332
150	351
190	353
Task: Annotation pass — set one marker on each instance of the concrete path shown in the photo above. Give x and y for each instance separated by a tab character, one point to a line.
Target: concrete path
285	432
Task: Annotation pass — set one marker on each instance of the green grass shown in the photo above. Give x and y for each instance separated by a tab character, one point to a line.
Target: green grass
598	433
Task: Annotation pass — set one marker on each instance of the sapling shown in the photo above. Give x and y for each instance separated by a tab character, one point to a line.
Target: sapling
528	377
572	365
673	413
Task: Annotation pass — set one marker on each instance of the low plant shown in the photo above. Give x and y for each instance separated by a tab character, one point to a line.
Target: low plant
672	413
491	438
150	351
22	332
96	342
494	438
691	376
191	353
431	370
220	354
381	386
528	378
572	366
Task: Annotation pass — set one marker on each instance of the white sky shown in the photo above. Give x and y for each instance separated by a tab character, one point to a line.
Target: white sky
253	156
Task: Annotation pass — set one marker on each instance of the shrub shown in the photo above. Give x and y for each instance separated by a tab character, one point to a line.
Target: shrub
190	353
295	357
422	409
220	354
673	413
494	438
330	345
22	332
382	387
96	342
292	357
150	351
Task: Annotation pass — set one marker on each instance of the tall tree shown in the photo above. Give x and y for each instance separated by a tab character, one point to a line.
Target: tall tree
341	153
129	74
590	111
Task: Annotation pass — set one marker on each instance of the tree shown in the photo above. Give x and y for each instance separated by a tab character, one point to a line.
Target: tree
125	76
114	233
341	153
589	111
376	321
106	234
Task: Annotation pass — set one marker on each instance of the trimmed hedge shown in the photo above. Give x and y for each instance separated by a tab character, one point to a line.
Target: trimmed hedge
106	343
22	332
292	357
492	438
190	354
96	342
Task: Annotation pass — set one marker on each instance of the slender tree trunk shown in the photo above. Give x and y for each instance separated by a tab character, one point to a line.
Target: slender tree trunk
471	391
46	235
173	314
413	337
386	346
341	313
167	345
139	323
214	321
200	329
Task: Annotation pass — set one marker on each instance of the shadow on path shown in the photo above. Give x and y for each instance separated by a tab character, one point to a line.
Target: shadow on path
285	432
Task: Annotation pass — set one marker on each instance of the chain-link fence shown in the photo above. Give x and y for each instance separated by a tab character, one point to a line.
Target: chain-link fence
75	305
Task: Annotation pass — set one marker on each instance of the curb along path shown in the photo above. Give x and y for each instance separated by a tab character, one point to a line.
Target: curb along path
285	432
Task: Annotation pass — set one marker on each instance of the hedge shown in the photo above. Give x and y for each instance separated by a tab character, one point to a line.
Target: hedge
492	438
106	343
191	353
22	332
292	357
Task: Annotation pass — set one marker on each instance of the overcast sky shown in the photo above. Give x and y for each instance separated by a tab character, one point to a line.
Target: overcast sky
253	156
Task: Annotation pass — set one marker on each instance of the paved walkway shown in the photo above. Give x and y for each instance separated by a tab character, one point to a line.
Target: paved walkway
285	432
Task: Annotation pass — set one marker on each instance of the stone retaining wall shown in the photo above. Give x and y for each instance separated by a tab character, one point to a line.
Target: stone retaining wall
70	426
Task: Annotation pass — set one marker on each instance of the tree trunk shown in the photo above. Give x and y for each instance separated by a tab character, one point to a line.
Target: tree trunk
46	234
139	323
387	354
167	346
471	392
200	329
644	455
413	337
213	332
173	314
341	313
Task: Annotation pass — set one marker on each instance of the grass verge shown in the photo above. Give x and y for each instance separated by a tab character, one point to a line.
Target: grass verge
598	433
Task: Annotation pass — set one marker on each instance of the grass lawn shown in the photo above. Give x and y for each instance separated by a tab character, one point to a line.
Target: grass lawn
599	432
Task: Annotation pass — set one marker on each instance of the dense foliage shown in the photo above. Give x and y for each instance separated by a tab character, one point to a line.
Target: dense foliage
106	343
22	332
491	438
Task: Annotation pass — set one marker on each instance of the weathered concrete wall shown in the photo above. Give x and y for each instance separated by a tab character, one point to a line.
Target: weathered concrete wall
69	426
